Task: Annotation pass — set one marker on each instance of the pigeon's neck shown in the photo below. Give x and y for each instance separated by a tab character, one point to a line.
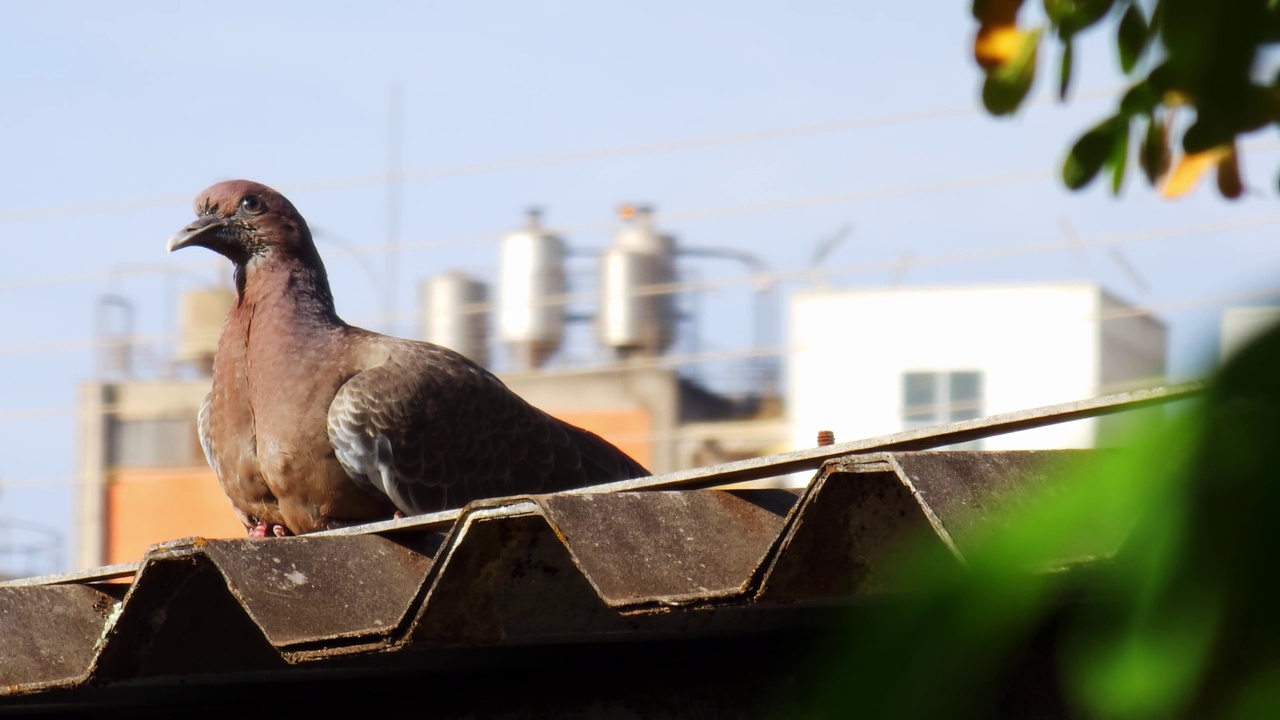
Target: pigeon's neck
296	291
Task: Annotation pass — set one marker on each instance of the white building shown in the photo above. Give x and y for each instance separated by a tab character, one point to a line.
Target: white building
872	362
1241	325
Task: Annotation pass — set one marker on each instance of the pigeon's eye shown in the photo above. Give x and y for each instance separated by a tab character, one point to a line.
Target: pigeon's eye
253	205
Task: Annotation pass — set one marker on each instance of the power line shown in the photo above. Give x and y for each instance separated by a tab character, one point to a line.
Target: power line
785	204
526	162
77	278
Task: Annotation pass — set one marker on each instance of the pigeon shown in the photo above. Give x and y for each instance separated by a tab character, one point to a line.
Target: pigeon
315	424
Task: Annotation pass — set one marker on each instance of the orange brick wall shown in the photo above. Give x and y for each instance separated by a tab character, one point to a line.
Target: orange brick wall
147	506
630	430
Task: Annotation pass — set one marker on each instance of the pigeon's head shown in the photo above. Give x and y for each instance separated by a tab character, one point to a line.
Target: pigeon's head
244	220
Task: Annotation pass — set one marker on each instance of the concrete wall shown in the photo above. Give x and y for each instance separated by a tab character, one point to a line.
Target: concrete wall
1242	324
1134	348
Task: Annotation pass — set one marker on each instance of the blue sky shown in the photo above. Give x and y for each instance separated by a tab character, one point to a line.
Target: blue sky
116	115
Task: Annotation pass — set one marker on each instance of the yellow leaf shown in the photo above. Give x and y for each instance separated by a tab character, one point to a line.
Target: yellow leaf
1189	169
996	45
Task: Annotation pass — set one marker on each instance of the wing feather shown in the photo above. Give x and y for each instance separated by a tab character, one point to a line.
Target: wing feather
430	429
204	429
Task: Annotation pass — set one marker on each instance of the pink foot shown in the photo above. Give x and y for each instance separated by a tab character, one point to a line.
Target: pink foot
397	516
262	530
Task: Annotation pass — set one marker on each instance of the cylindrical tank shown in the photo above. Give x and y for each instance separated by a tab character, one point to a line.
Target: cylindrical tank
200	317
455	314
637	317
531	287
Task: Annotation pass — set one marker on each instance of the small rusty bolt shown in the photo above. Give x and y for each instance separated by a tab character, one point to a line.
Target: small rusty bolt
826	437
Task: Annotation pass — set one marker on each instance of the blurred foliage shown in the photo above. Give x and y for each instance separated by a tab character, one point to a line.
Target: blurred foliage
1188	62
1180	623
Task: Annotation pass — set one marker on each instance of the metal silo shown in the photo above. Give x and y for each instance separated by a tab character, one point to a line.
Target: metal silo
531	288
636	318
201	314
455	314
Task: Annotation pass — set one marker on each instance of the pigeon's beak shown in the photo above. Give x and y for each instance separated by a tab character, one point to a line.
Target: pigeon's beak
202	232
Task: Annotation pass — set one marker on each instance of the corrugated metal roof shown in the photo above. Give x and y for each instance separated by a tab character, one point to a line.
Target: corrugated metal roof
595	567
546	569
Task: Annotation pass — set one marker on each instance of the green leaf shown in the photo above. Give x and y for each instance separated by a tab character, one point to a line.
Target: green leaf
1210	130
1081	14
1057	9
1007	86
1064	72
1259	107
1153	156
1162	79
1089	154
1132	37
1140	99
1119	157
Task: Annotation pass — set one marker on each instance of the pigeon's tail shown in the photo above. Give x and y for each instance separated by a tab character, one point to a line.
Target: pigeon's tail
601	461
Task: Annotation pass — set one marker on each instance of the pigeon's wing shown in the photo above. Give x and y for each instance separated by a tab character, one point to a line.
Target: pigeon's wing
432	430
203	426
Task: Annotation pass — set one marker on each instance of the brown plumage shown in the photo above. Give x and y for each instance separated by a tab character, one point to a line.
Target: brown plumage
313	423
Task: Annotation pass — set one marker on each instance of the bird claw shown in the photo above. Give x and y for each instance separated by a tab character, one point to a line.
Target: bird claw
262	530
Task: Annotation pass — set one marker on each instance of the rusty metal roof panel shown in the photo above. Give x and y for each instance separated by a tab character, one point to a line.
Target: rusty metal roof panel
855	513
311	590
971	490
515	571
51	635
179	618
669	548
842	532
506	577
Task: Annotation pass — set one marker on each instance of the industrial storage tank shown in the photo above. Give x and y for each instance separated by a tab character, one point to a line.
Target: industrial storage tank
531	290
201	314
455	314
637	315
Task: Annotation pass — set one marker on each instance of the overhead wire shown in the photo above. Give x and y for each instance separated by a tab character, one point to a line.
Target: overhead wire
527	162
697	214
91	276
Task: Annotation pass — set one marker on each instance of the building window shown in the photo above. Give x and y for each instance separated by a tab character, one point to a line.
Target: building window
934	398
154	442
